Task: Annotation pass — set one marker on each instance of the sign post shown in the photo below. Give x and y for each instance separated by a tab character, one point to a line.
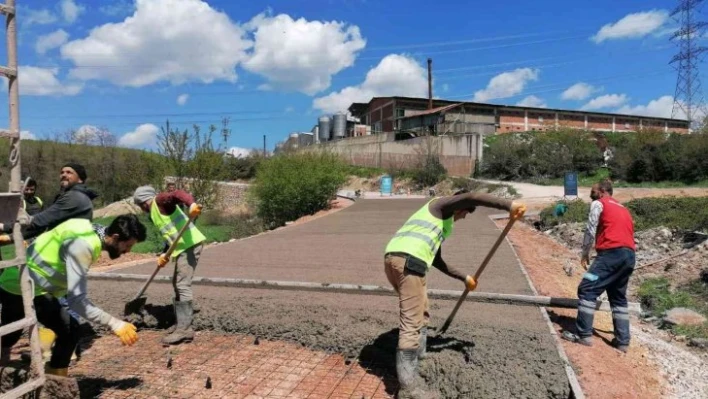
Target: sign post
570	184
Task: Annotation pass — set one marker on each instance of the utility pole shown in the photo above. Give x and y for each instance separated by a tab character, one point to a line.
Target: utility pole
430	83
688	95
265	154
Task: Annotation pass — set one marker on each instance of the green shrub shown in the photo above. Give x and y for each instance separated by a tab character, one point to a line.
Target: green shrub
243	168
576	212
651	156
430	172
690	213
656	295
290	186
542	155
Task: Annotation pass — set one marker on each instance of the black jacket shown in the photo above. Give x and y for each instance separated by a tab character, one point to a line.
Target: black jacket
74	203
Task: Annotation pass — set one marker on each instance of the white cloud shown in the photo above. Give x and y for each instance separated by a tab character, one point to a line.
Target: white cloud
27	135
70	10
532	101
37	17
445	87
606	101
301	55
395	75
182	99
140	137
36	81
507	84
239	152
661	107
50	41
289	109
633	26
152	46
579	91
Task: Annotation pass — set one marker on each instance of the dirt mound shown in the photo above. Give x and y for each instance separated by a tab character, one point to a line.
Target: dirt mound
472	359
117	208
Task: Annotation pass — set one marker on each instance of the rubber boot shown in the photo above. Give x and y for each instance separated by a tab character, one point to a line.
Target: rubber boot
412	384
184	331
63	372
173	327
422	342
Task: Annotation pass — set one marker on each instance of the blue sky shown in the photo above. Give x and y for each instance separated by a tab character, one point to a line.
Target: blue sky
274	67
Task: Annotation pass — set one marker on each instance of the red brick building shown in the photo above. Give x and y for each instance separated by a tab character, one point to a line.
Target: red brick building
388	114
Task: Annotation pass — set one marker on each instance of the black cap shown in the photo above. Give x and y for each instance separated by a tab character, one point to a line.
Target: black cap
78	169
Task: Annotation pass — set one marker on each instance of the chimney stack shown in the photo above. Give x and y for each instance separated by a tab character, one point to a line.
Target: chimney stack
430	83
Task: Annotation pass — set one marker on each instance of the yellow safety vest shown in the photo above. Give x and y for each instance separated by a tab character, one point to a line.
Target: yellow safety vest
170	226
46	268
24	203
421	235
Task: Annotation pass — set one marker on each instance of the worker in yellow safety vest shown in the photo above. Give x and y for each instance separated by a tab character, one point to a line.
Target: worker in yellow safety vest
409	256
31	203
58	262
166	213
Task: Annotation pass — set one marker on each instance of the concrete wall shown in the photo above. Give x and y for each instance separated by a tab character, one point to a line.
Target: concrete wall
457	153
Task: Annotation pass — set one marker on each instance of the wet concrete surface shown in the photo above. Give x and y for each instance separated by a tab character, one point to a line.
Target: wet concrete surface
490	351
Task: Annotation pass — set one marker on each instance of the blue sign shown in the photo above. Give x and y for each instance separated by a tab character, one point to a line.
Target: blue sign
570	184
386	184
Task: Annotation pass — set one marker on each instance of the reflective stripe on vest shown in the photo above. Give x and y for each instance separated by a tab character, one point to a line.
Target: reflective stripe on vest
24	203
44	259
421	235
169	227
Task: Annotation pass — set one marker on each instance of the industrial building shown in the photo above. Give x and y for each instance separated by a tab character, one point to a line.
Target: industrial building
408	117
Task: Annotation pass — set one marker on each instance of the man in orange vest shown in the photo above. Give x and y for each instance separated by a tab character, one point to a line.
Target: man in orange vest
611	228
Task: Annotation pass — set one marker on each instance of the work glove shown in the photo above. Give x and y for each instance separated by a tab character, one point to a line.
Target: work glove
195	210
162	260
471	283
125	331
5	239
517	210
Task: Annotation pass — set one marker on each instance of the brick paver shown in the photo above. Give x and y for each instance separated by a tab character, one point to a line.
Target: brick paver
234	364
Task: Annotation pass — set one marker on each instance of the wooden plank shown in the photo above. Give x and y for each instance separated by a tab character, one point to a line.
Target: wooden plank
24	389
7	10
17	325
9	72
7	134
486	297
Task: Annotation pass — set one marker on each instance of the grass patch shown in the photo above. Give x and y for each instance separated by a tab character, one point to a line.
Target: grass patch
657	296
587	180
215	226
688	213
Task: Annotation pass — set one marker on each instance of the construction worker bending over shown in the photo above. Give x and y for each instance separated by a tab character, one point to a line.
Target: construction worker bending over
165	213
611	228
58	262
408	258
31	203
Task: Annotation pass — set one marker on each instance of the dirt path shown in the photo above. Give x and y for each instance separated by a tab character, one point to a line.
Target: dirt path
490	351
649	370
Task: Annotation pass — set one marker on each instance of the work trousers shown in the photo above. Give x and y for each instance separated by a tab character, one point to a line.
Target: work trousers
610	271
412	300
52	315
185	265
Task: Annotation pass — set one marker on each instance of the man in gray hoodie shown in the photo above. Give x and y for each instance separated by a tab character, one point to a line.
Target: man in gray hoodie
73	202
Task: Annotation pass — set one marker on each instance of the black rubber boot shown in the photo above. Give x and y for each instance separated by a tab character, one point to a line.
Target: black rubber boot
183	331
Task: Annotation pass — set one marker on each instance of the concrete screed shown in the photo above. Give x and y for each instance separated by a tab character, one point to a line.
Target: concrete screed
490	351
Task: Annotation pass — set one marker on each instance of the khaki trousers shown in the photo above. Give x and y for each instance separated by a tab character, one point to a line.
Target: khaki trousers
412	301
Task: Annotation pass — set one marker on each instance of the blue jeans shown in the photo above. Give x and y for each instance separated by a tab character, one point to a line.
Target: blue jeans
610	271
